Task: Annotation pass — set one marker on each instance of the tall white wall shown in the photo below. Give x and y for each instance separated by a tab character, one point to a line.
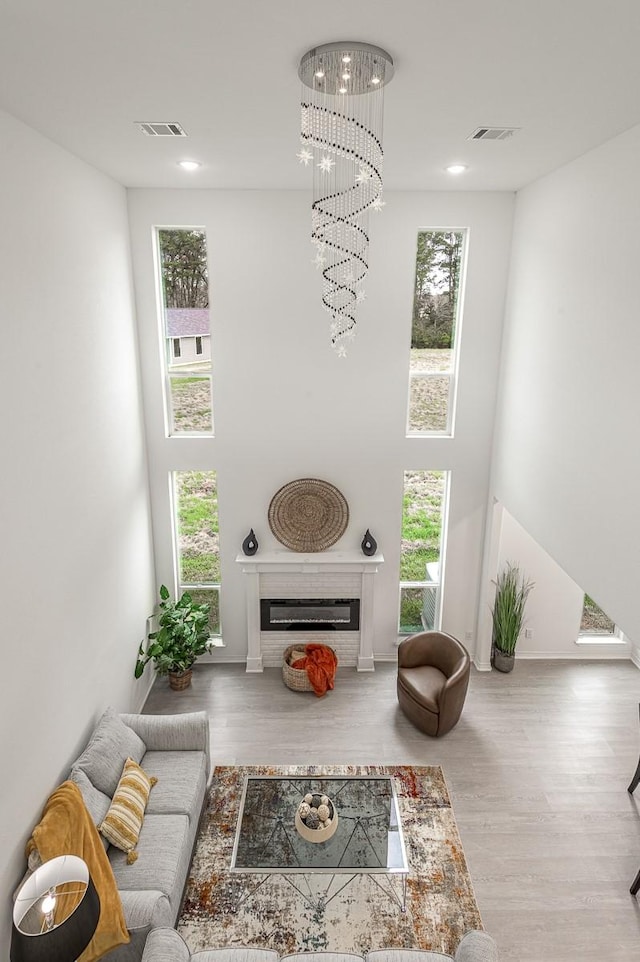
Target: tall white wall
76	563
567	454
286	407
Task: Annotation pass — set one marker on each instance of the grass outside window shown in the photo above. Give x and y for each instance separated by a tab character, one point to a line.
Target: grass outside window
190	405
422	514
196	500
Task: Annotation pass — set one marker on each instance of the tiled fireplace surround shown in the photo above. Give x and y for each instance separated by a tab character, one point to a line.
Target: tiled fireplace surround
323	574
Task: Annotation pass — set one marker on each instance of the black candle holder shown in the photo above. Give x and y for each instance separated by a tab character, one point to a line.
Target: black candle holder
369	544
250	543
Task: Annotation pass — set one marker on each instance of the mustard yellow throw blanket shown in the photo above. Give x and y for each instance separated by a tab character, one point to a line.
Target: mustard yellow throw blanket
66	828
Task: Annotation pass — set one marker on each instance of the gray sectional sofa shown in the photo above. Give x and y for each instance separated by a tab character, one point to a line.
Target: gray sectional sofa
174	748
165	945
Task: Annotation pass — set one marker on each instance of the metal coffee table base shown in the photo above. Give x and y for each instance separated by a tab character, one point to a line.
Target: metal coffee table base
318	902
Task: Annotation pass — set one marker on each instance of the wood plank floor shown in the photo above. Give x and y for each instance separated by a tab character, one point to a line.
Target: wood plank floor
537	769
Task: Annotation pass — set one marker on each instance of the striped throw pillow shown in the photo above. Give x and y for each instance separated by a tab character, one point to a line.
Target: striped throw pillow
123	821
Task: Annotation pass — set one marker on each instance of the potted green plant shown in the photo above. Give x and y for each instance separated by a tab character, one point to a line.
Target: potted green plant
183	635
512	591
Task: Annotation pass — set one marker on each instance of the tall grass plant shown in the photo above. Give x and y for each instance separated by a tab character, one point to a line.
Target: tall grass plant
512	591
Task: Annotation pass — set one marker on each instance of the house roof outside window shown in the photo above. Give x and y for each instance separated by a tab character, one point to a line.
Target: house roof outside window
187	321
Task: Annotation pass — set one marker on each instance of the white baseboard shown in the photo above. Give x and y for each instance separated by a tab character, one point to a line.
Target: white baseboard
389	657
225	660
142	691
481	665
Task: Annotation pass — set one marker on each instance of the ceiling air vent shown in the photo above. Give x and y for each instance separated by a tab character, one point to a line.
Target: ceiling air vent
492	133
157	129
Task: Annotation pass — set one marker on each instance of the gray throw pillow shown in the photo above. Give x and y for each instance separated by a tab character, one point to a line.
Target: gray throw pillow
96	801
111	743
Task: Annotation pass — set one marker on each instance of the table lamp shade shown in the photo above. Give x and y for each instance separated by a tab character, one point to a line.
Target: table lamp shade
56	912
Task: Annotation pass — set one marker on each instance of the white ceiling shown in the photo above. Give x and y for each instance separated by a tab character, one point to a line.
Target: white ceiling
83	71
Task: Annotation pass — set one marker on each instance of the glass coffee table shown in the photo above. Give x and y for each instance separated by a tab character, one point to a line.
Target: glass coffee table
361	834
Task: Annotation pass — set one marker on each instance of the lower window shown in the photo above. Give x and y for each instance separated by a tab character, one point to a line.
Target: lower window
196	539
596	627
421	555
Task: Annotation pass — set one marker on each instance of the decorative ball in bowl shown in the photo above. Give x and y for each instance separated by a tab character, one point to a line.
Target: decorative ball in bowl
316	817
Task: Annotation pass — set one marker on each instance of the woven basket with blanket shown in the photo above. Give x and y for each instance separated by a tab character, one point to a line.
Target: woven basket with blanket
310	667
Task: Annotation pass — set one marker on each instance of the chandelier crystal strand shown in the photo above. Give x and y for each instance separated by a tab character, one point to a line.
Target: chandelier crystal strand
341	135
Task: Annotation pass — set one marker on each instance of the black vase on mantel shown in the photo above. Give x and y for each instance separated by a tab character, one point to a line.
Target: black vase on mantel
369	544
250	543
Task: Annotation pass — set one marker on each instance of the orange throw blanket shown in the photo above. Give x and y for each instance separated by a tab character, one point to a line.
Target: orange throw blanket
320	663
66	828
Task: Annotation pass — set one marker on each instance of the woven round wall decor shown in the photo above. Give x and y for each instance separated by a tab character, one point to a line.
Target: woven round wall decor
308	515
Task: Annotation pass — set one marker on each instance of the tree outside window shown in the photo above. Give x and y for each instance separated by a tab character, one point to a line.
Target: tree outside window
436	297
184	281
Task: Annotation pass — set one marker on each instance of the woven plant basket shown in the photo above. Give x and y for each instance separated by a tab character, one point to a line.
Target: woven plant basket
179	680
294	678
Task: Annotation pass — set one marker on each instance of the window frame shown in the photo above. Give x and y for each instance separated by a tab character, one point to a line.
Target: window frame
444	528
164	339
614	637
175	541
453	374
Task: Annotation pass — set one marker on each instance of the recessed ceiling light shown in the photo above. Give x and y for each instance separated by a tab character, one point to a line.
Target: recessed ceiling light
342	90
189	164
319	74
346	76
346	58
456	168
375	80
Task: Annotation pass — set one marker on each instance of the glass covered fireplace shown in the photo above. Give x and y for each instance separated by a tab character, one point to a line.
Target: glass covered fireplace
309	614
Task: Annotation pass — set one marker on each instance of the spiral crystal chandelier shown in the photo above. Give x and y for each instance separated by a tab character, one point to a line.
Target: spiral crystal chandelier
341	134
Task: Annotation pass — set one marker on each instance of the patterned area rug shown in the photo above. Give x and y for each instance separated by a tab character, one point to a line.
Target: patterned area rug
440	903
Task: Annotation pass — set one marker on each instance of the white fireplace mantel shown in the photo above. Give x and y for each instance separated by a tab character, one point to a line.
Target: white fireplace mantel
318	560
292	562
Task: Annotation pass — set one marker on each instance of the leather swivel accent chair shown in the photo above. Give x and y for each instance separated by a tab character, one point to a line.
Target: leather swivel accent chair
433	677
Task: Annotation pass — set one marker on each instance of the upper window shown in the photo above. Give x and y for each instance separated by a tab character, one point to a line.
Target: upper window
434	331
185	301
